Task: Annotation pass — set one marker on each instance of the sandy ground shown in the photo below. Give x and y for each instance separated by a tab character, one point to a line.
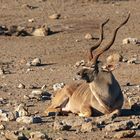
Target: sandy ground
60	51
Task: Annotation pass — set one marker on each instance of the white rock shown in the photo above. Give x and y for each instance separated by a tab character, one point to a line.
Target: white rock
130	40
54	16
7	116
88	36
37	136
42	31
132	60
29	120
2	127
21	110
114	58
22	86
36	62
58	86
25	119
31	20
1	71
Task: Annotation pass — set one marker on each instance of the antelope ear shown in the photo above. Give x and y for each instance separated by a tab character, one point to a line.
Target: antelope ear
110	67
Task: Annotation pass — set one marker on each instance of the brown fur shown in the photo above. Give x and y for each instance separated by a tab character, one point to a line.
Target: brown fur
100	93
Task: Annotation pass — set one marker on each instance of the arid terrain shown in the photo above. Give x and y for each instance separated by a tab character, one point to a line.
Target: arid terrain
59	52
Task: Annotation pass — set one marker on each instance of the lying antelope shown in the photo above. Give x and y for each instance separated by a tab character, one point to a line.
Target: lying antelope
100	93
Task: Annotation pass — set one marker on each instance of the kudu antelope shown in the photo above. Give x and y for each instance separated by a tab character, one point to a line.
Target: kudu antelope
100	93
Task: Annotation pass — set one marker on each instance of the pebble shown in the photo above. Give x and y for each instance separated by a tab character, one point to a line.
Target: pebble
58	86
87	127
21	86
59	126
37	135
54	16
132	60
31	20
7	116
29	120
36	62
42	31
130	40
117	126
88	36
79	63
125	134
114	58
15	135
134	103
1	71
21	110
2	127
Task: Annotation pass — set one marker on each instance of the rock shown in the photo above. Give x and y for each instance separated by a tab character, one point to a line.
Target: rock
58	86
79	63
114	58
132	60
24	128
40	94
1	71
31	20
59	126
36	62
6	116
88	36
42	31
87	127
21	110
2	127
117	126
125	134
29	120
15	135
60	138
38	136
54	16
22	86
3	101
134	103
130	40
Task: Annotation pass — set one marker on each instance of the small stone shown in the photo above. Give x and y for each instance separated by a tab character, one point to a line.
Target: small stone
42	31
60	138
2	127
134	103
125	134
117	126
38	136
88	36
22	86
132	60
7	116
130	40
1	71
36	62
24	128
21	110
58	86
59	126
15	135
54	16
29	120
87	127
114	58
79	63
31	20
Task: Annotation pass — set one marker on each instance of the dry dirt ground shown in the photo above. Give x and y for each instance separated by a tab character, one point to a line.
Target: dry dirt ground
60	51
